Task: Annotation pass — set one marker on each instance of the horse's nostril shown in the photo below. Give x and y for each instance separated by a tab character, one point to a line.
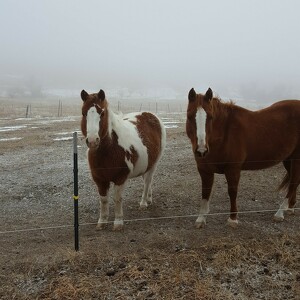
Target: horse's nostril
198	153
87	141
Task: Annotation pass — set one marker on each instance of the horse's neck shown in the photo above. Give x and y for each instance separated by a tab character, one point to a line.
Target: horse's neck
111	120
227	117
106	124
223	113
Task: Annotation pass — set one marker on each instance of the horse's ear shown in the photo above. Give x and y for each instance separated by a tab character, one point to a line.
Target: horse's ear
208	95
84	95
192	95
101	95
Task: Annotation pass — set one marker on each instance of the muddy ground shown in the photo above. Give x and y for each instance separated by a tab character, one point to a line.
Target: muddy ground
159	255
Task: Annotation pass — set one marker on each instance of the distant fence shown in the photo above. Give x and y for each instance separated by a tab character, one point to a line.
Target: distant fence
26	108
18	109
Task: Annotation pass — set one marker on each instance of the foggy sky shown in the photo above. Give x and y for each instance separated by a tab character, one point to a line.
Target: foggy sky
229	45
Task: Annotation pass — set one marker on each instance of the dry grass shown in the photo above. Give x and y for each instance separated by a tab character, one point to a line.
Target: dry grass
220	270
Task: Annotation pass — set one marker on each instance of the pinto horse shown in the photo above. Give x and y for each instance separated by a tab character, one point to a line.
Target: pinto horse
227	138
120	147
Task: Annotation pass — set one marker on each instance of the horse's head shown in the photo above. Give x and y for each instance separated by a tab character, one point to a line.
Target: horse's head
94	111
199	111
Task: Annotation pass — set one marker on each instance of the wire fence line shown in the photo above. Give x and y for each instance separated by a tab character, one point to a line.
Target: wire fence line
143	220
209	163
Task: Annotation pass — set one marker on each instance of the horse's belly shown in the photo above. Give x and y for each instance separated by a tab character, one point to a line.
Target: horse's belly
139	167
259	164
269	152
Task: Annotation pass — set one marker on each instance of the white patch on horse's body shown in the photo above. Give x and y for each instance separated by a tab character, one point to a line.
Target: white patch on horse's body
129	165
128	138
201	132
93	119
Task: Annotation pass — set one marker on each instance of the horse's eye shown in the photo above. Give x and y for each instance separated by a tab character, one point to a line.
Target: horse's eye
83	114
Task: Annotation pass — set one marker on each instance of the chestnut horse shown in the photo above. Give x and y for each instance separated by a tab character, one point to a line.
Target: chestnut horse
120	147
227	138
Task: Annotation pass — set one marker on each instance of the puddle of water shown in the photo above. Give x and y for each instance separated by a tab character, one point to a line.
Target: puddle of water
171	126
64	133
24	119
11	128
10	139
49	121
171	123
67	138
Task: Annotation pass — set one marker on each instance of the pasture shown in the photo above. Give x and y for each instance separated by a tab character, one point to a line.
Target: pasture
159	254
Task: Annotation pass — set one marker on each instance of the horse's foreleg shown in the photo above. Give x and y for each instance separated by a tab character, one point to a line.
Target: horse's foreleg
207	183
118	223
147	193
104	206
233	178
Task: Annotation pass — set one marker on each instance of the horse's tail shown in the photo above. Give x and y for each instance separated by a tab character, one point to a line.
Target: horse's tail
285	182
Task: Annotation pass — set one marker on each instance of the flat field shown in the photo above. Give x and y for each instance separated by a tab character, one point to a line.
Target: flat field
159	254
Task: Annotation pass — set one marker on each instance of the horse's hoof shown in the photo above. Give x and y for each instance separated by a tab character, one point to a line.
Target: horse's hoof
199	225
278	219
149	201
143	206
118	227
101	226
232	223
290	211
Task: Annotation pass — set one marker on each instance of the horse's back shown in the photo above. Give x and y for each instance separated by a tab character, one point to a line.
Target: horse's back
271	135
292	103
152	134
283	114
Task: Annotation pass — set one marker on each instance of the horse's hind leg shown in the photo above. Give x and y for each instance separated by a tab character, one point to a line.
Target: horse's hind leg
294	180
147	193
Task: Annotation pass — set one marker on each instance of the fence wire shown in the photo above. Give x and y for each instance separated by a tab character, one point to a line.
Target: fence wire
143	220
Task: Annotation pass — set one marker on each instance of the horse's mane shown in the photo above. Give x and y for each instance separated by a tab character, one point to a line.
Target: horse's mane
220	107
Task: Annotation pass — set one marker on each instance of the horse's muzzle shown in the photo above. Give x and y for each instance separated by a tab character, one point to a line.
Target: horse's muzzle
201	154
92	143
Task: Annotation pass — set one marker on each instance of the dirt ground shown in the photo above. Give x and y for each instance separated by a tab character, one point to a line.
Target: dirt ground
160	254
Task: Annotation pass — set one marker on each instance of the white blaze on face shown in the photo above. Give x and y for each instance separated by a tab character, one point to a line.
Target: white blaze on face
92	124
200	124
